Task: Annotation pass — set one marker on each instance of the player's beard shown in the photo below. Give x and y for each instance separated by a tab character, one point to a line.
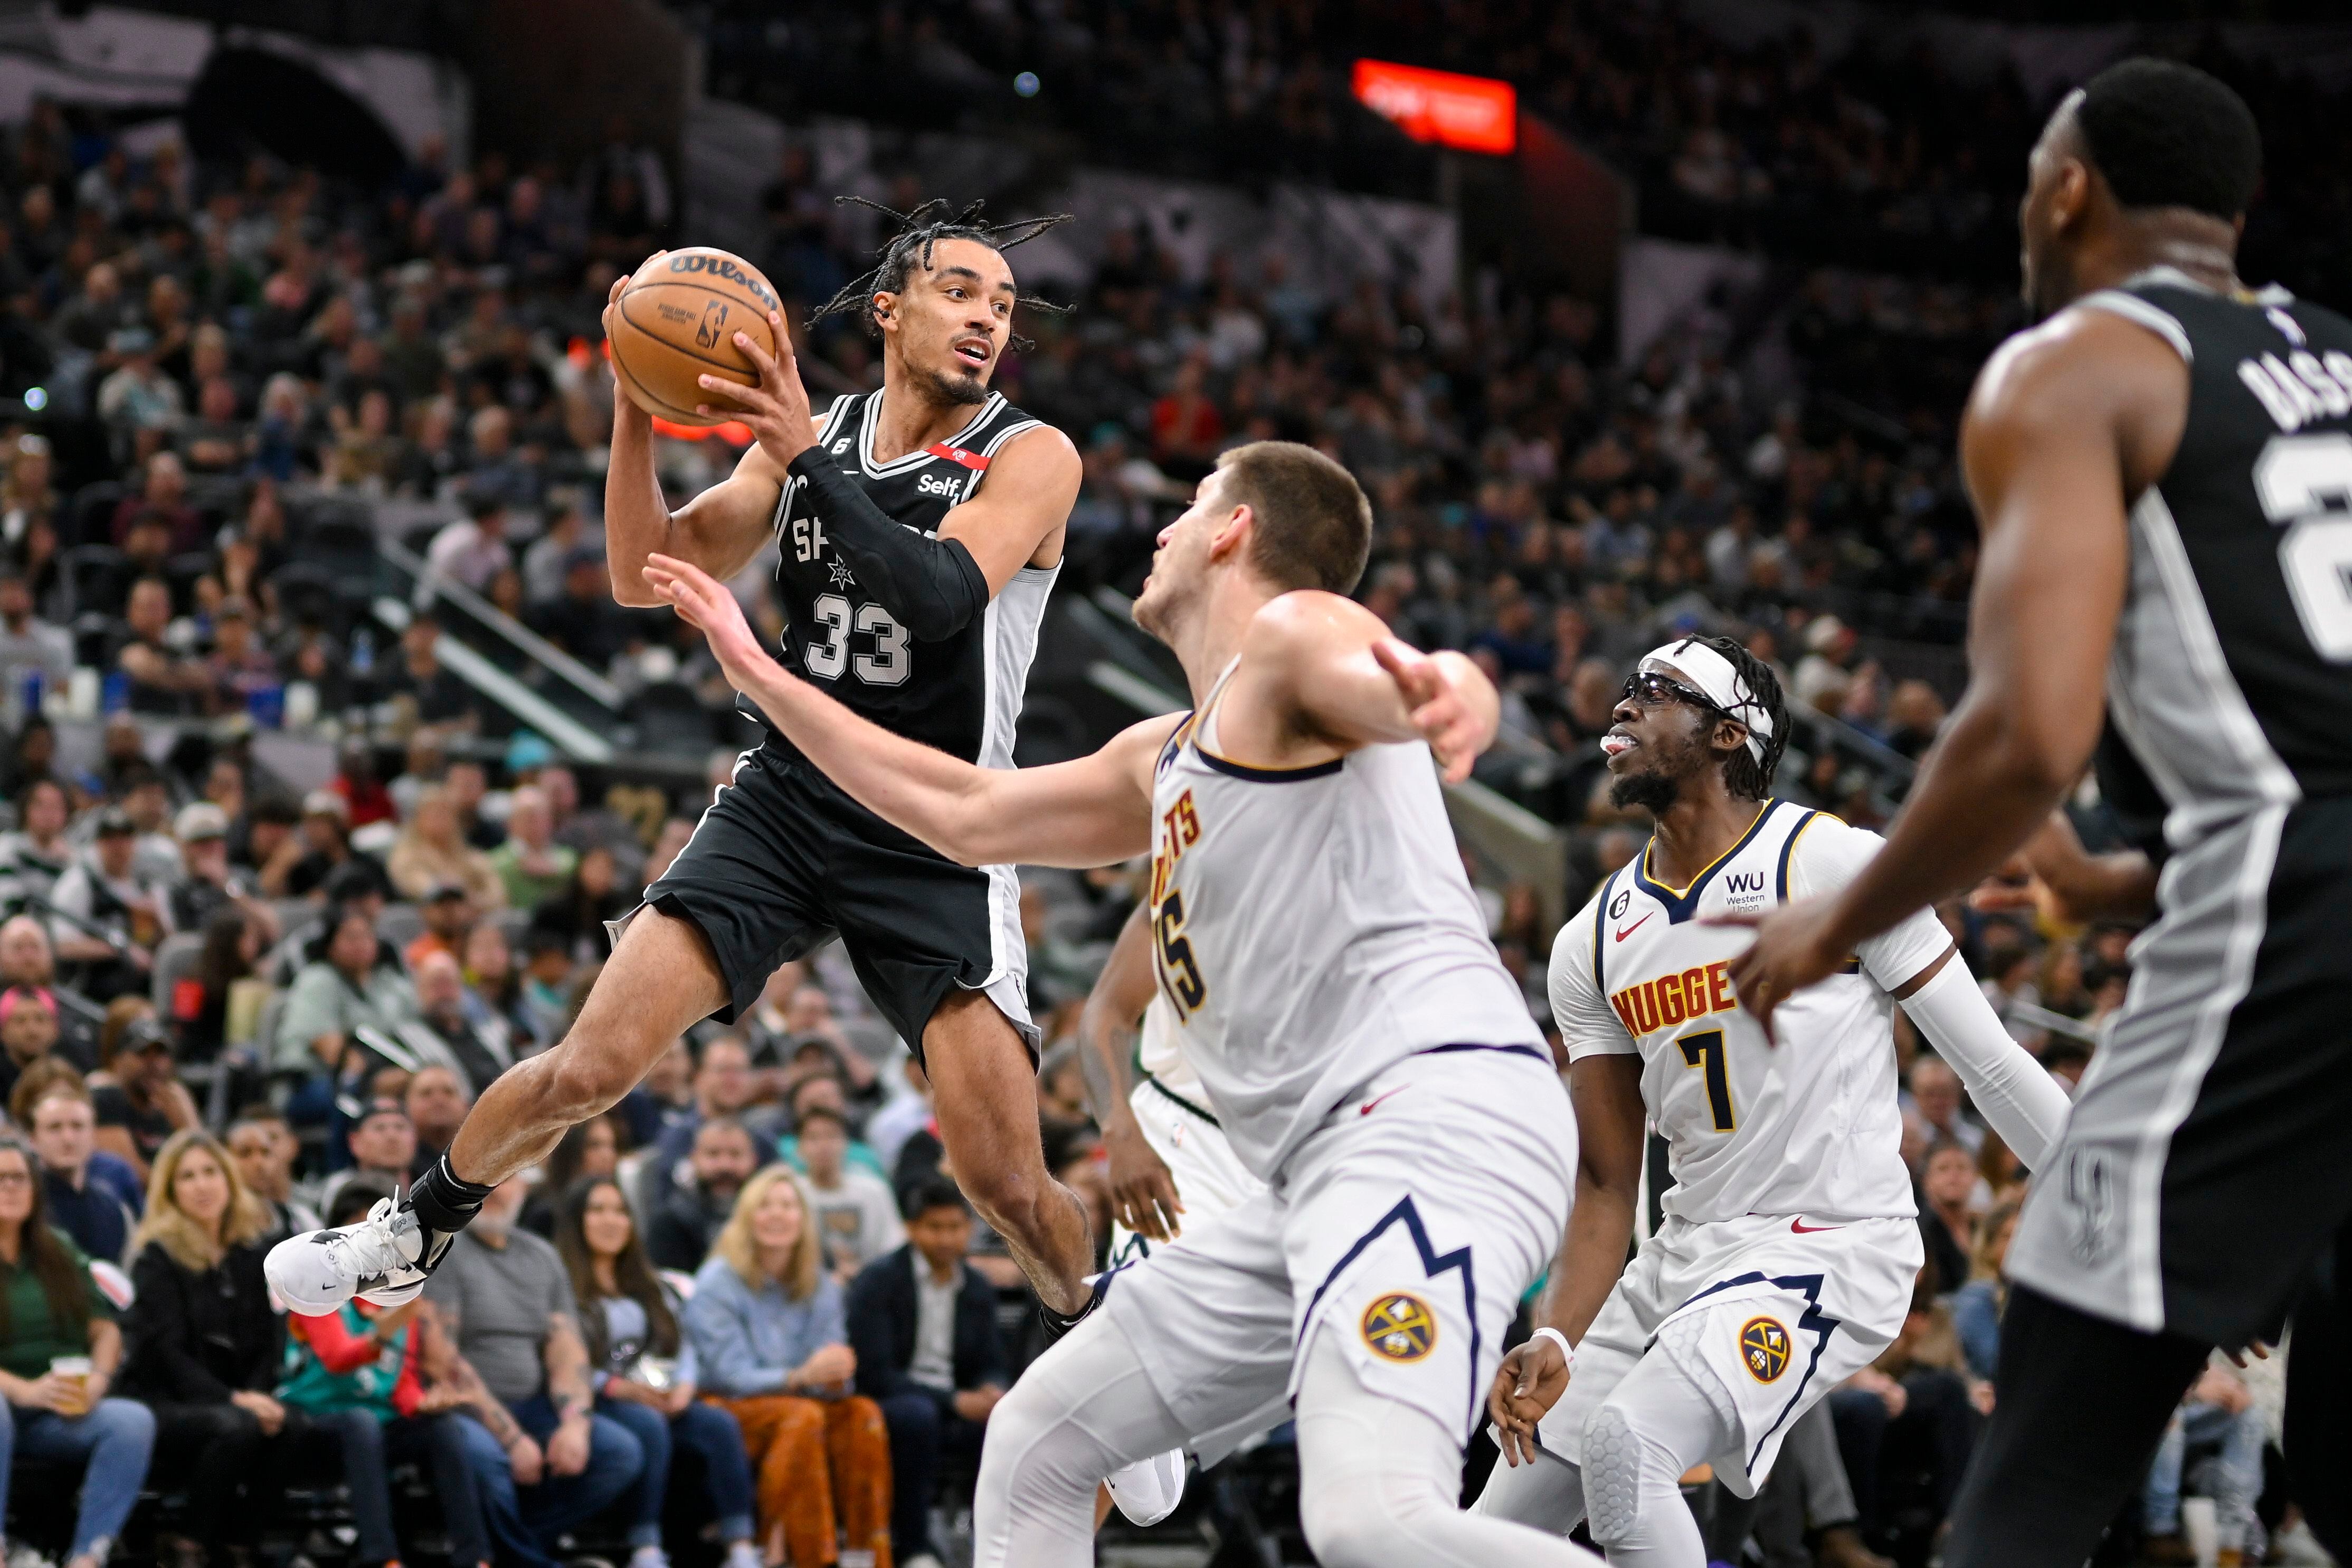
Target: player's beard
1657	785
968	391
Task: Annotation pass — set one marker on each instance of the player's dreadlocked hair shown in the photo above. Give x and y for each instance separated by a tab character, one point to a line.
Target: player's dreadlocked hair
1743	775
919	231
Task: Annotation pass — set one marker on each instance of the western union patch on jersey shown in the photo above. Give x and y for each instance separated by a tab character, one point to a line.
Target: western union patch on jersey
1764	1348
1399	1327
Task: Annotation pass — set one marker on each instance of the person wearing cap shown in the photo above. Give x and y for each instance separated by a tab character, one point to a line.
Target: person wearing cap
103	891
383	1148
1823	672
146	1104
206	884
448	915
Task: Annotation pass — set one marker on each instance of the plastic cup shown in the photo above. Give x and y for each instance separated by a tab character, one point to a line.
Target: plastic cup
74	1370
2200	1527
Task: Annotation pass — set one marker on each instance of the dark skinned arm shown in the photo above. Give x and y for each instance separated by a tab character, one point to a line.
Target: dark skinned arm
1142	1191
1611	1129
2067	424
2055	876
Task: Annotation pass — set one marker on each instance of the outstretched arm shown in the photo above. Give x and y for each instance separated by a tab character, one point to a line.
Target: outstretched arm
1093	811
2065	423
1321	675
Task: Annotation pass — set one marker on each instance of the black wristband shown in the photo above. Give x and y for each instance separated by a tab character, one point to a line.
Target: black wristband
932	587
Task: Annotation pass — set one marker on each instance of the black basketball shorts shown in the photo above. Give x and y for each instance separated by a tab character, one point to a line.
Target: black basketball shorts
2208	1160
785	860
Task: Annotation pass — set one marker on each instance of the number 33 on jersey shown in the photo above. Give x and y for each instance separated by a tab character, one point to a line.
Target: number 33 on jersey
962	693
1810	1127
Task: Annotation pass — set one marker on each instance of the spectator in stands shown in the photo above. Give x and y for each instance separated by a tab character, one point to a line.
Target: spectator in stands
1948	1182
95	1212
163	680
448	915
301	865
383	1151
689	1201
1978	1305
1913	1412
923	1324
29	1031
162	496
37	853
546	998
441	1005
110	915
28	647
55	1310
265	1149
766	1323
432	853
2218	1417
437	1103
646	1374
348	982
587	1150
595	896
495	986
205	885
146	1104
723	1086
474	549
240	668
504	1292
205	1345
583	620
533	867
234	943
1936	1104
356	1371
26	959
440	696
857	1217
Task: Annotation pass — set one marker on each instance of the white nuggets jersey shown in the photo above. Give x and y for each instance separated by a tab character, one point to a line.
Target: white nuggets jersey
1810	1128
1312	926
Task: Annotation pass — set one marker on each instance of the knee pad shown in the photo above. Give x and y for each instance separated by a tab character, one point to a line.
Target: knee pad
1612	1474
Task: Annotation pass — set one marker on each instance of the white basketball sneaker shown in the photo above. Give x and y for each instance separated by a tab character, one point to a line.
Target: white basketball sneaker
380	1259
1148	1490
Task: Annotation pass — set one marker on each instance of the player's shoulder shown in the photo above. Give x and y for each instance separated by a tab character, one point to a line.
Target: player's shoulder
1824	852
2087	356
1308	618
1574	947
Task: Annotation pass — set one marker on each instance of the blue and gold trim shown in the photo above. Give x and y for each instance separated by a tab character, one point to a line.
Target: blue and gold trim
1267	775
1682	903
1789	851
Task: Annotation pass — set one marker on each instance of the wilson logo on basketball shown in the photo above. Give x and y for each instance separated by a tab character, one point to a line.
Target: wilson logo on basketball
1398	1327
1764	1349
720	267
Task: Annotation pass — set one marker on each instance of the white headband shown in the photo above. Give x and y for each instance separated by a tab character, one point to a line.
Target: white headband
1713	673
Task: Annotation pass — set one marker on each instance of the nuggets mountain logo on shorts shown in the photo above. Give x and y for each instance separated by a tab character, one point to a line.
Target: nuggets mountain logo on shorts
1764	1348
1399	1327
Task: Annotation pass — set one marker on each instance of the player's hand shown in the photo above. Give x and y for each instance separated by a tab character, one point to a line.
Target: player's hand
777	406
1528	1383
1793	949
705	604
1451	703
623	403
1142	1189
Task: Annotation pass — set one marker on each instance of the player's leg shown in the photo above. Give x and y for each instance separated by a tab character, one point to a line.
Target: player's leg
1380	1482
1649	1433
2083	1402
984	1087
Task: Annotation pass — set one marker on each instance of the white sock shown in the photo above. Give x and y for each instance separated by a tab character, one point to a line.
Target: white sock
1083	1410
1380	1481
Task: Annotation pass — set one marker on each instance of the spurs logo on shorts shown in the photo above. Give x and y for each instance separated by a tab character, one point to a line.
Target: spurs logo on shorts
1764	1348
1399	1327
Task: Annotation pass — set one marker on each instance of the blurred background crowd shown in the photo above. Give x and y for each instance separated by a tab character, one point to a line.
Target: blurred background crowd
328	755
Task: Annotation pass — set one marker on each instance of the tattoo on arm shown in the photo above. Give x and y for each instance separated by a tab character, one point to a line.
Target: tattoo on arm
567	1367
1102	1065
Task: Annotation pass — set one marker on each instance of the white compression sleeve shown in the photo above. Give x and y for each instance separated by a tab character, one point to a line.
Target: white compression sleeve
2023	1103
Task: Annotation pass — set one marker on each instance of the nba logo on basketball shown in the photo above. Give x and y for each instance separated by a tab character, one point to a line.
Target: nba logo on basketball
714	325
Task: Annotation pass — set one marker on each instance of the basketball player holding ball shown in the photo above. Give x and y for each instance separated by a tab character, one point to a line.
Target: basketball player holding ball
920	529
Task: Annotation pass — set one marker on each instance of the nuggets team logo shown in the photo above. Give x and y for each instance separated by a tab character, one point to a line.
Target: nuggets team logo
1399	1327
1764	1348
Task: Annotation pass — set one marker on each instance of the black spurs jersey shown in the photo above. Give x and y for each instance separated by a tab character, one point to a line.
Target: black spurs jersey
2231	681
962	693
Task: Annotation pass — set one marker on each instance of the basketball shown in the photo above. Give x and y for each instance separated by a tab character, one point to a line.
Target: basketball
677	321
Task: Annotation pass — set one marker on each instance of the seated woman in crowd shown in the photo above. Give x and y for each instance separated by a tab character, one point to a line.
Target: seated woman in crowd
1977	1306
592	1148
357	1372
204	1345
644	1372
145	1103
769	1339
349	981
233	944
58	1352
